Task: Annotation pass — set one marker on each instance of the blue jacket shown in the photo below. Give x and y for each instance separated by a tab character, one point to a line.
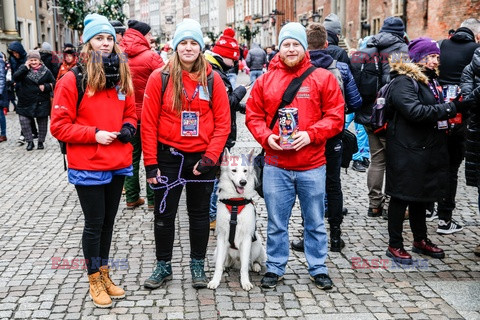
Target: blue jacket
321	59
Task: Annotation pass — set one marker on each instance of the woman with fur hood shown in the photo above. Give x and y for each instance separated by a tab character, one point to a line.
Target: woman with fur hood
469	82
417	157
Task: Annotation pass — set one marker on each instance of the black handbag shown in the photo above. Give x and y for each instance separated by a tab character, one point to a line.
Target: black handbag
287	98
349	148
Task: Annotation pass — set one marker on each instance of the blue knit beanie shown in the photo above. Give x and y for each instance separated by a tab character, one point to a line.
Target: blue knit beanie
393	25
188	29
95	24
293	30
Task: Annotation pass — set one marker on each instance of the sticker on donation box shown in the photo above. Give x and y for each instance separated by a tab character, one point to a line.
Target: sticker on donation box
190	122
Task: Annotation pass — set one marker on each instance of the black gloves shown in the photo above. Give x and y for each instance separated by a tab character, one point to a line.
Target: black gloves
465	104
151	171
242	108
205	164
240	92
126	133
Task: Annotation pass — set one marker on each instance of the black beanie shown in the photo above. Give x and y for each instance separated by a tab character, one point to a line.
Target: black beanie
118	26
141	27
68	48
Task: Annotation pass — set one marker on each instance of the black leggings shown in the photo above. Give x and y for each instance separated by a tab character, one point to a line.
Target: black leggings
99	205
396	216
198	204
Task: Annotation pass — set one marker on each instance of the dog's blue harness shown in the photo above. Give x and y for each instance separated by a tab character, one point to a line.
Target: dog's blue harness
235	207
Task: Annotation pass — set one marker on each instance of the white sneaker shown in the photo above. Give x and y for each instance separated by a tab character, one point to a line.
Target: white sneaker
448	227
432	215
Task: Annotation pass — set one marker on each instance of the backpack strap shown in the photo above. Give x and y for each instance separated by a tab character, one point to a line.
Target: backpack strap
166	77
80	82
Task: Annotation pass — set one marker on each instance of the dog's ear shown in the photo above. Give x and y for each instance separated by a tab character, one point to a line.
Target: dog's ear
226	154
251	155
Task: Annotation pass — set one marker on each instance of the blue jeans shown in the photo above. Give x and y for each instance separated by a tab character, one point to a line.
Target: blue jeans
232	77
3	123
254	75
280	188
362	138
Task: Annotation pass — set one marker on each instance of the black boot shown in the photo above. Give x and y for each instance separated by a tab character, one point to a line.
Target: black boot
40	146
30	146
298	245
336	242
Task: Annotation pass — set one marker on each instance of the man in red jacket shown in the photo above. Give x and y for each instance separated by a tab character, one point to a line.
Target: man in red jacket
301	170
142	62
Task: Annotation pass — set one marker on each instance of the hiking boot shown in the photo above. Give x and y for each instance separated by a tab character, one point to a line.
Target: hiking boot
161	274
135	204
298	245
270	280
358	166
427	247
213	225
374	212
336	242
3	138
399	255
477	251
113	291
40	146
199	279
30	146
366	162
98	292
449	227
322	281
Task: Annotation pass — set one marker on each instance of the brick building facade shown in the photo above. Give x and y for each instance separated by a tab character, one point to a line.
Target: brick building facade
359	18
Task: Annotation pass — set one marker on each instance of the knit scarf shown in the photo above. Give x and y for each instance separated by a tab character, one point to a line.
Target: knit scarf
111	66
36	74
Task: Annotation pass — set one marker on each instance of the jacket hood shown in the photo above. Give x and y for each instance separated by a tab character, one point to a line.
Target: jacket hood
463	35
320	58
409	69
384	40
17	47
215	60
255	46
332	38
134	42
276	63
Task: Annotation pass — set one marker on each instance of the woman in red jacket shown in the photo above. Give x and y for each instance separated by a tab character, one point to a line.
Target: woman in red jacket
97	132
188	119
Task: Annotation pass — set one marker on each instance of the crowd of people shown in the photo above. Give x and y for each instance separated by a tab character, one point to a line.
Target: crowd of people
178	108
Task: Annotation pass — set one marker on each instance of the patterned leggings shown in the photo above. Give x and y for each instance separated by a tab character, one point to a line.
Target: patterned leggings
25	124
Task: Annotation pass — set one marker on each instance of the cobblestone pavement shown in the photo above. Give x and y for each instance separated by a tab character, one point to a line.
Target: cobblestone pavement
41	219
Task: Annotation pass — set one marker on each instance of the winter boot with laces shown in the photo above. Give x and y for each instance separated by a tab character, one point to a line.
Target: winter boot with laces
199	279
161	274
113	291
98	292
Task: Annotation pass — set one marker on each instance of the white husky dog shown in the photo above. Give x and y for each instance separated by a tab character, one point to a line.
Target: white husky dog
236	187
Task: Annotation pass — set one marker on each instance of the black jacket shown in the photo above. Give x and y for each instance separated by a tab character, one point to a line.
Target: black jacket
335	51
32	102
455	54
469	81
50	62
234	96
417	155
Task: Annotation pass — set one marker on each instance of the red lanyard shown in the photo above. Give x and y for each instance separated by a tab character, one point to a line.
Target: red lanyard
190	100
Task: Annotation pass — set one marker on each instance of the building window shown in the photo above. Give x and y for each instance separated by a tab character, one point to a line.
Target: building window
376	25
364	10
398	7
365	26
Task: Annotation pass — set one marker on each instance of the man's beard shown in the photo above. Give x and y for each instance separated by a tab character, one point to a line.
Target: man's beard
292	63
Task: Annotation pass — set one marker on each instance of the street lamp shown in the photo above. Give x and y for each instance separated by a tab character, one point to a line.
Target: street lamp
316	17
304	20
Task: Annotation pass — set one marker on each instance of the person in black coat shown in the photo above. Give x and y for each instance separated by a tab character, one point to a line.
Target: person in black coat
416	153
35	83
469	81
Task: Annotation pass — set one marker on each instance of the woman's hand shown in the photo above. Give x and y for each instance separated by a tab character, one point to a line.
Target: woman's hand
153	180
301	139
27	64
42	87
272	142
105	137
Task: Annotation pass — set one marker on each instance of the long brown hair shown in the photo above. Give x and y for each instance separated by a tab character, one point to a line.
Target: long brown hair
96	80
199	71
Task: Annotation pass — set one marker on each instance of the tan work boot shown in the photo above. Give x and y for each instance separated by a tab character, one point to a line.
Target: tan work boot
113	291
97	291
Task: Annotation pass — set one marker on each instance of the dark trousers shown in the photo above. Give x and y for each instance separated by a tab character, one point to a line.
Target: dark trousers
456	153
396	216
198	203
28	124
99	205
333	154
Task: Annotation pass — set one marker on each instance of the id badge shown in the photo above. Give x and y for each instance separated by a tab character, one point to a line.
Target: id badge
442	125
120	94
190	124
203	94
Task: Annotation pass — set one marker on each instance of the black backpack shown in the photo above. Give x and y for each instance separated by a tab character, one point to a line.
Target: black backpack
366	67
81	83
349	148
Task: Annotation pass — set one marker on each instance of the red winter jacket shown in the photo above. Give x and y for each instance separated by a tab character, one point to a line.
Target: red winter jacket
162	124
103	111
320	112
142	62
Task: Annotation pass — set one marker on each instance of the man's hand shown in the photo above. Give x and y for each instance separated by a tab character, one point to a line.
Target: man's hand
272	142
301	139
105	137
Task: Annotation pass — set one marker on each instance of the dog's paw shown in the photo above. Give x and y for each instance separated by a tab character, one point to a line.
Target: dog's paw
213	284
247	285
256	267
